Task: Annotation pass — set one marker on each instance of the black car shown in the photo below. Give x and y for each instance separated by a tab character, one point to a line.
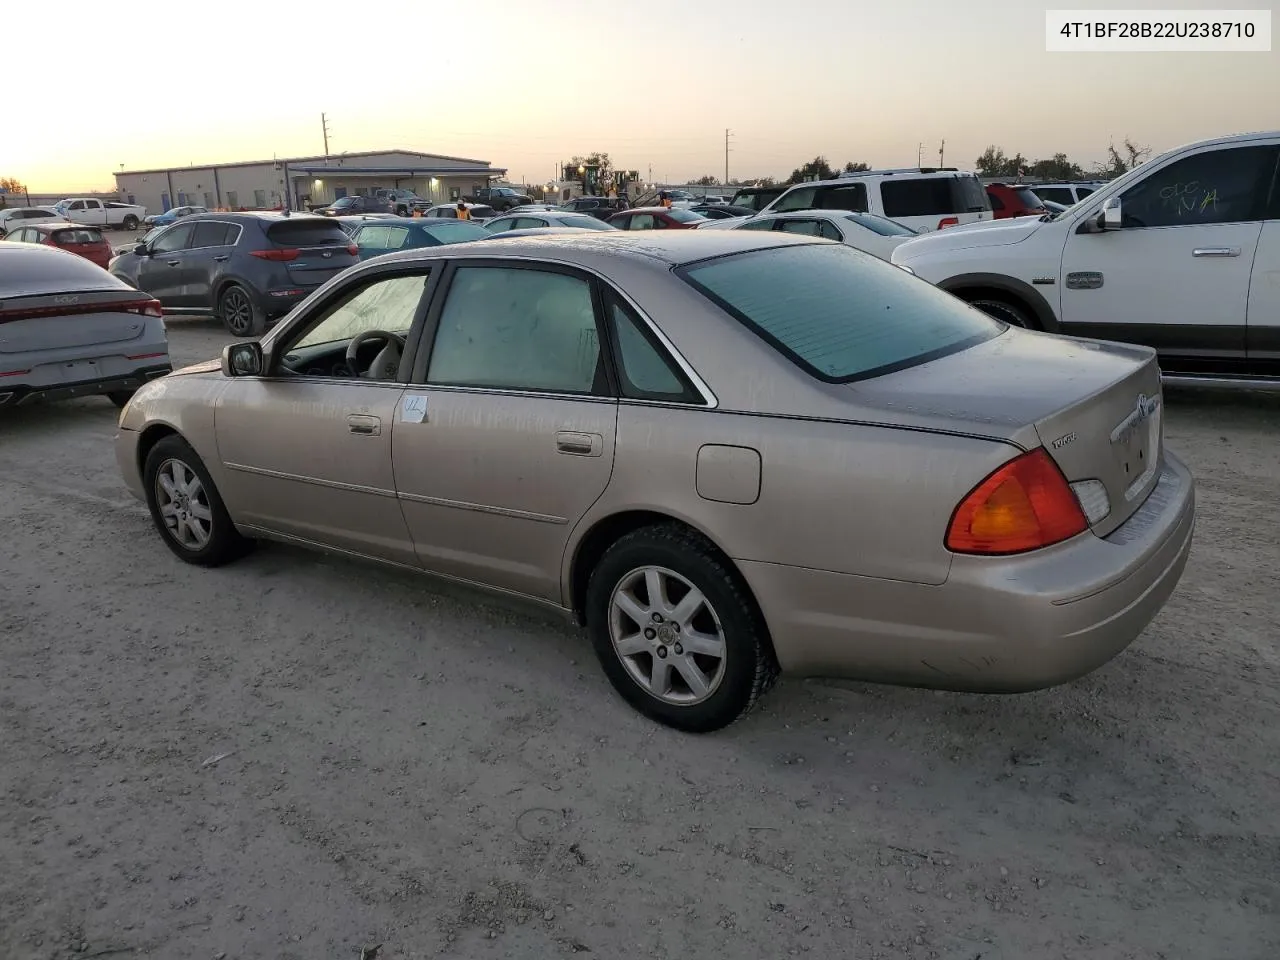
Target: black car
386	235
602	208
346	206
244	268
722	211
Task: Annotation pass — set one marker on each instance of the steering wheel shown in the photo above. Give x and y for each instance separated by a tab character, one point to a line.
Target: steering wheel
386	363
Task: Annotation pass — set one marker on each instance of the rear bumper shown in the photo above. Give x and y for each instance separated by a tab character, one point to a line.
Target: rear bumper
18	394
998	625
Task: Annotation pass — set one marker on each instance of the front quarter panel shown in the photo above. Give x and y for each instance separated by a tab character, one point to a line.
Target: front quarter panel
181	403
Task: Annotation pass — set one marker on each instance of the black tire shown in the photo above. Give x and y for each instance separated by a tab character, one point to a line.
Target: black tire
240	313
121	397
749	665
131	222
1011	313
224	542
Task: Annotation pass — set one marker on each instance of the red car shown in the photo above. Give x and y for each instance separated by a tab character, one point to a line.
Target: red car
1014	201
657	218
88	242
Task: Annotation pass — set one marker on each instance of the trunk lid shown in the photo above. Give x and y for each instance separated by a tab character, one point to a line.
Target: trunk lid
60	321
1095	406
322	247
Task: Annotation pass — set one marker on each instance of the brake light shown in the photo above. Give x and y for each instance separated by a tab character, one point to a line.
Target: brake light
353	249
1025	505
948	222
279	256
141	308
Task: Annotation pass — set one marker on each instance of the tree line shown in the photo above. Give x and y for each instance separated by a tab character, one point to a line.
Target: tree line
994	163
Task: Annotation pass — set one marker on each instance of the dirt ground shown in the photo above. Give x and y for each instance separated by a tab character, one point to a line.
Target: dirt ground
299	757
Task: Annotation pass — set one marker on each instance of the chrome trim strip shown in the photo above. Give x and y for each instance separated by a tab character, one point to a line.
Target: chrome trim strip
483	508
316	481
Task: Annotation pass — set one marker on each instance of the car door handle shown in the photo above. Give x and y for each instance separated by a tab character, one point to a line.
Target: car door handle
174	263
579	444
1216	252
223	258
364	426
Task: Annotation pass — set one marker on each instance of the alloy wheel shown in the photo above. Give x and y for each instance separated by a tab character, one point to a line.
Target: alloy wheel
237	311
184	505
667	635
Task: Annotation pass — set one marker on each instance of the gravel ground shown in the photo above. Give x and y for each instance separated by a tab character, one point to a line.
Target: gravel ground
299	757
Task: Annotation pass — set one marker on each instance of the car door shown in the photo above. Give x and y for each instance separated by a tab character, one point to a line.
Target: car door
160	272
210	248
505	438
306	449
1175	275
1264	287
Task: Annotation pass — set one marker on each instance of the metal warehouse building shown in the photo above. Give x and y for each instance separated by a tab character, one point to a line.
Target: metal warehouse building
301	182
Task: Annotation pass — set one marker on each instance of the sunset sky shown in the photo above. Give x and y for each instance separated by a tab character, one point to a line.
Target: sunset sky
527	84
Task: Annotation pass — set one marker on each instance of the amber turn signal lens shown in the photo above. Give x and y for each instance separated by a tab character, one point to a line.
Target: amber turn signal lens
1025	505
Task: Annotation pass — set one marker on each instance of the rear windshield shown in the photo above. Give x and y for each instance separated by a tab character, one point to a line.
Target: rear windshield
479	211
838	313
585	223
756	200
307	233
684	216
933	196
881	225
77	236
1028	198
458	232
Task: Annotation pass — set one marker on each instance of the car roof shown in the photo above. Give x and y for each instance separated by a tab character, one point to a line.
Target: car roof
406	221
29	270
596	248
644	210
8	210
48	227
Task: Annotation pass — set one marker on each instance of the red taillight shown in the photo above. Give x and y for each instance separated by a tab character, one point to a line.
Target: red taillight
1025	505
353	249
142	308
279	256
948	222
13	373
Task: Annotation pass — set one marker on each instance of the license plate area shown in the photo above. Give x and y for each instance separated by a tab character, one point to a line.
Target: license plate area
1135	443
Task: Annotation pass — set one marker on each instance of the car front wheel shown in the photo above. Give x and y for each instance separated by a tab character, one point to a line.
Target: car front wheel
131	222
676	630
186	508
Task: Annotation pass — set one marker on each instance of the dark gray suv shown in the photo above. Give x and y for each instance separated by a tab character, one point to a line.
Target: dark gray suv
244	268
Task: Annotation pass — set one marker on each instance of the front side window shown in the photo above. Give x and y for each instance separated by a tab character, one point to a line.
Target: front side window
838	313
642	221
388	304
758	223
517	329
174	238
807	228
1218	186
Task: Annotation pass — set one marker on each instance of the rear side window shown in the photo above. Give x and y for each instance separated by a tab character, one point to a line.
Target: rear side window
838	313
684	216
485	212
881	225
645	371
920	197
996	202
214	234
1028	198
848	196
307	233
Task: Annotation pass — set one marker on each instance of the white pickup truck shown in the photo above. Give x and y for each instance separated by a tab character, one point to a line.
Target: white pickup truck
93	212
1181	253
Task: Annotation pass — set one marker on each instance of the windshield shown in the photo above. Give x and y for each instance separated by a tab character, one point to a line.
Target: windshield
685	216
343	202
881	225
839	313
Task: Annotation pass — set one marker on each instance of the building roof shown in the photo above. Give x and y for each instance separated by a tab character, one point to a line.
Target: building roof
391	171
318	160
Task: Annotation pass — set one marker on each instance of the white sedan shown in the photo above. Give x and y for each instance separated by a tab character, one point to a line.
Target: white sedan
14	217
864	231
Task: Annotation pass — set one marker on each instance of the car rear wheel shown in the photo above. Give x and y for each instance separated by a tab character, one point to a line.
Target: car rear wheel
131	222
240	314
186	508
1010	313
676	630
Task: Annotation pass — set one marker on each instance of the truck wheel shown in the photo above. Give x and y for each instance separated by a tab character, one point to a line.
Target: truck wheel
240	314
131	222
1013	314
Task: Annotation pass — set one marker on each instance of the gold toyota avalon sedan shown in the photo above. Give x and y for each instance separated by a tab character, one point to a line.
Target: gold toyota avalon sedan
728	454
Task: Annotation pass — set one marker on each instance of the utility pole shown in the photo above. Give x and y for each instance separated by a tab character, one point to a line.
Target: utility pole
727	135
920	154
324	125
941	151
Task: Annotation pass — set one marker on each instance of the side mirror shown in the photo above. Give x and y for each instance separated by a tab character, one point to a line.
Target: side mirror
242	359
140	250
1112	216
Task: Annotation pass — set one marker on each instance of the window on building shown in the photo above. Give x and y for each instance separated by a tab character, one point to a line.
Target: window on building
233	199
260	199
